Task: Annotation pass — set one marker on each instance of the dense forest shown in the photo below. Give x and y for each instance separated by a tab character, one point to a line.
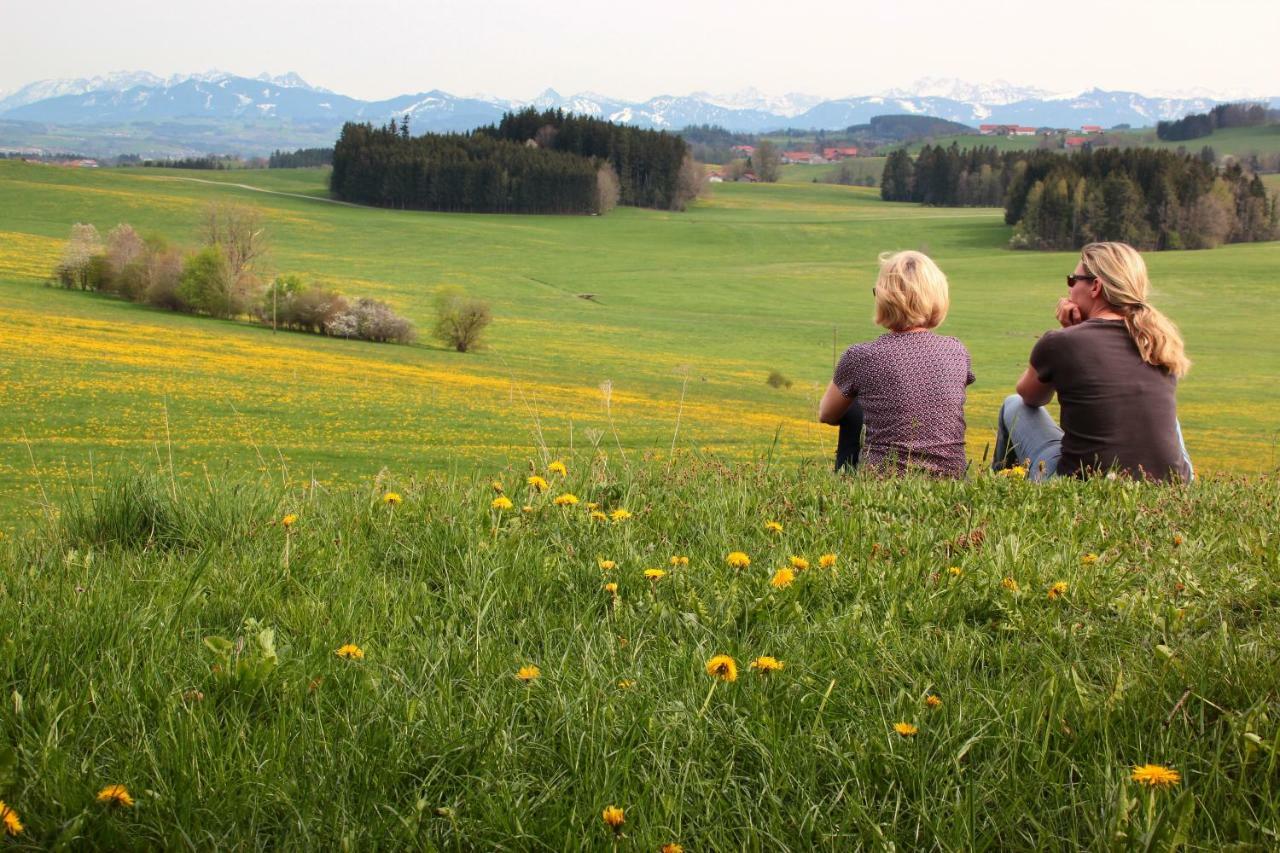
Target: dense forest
1198	125
648	163
1149	198
530	162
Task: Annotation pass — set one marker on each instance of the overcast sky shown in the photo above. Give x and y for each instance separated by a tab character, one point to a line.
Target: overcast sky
378	48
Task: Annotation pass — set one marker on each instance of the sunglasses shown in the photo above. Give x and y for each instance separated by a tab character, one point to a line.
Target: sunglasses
1072	279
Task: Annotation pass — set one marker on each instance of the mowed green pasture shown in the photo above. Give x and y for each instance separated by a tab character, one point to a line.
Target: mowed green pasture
689	314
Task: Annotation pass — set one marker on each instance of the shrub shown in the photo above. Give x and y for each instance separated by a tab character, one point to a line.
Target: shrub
777	380
460	319
205	285
79	268
371	320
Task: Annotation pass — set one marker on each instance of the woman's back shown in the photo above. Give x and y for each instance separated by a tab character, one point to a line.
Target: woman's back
911	386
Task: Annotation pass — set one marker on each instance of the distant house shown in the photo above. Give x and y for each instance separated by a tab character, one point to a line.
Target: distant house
715	178
749	177
1023	131
743	149
1090	128
797	157
998	129
1075	143
833	154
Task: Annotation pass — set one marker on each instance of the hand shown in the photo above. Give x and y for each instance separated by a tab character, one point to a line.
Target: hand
1068	313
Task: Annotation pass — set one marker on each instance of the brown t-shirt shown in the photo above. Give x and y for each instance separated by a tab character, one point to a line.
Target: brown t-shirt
1118	412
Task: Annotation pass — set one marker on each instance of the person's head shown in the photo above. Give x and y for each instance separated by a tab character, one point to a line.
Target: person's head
911	292
1113	277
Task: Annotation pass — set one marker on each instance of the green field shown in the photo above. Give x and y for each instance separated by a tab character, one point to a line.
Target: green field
871	167
174	638
691	312
348	680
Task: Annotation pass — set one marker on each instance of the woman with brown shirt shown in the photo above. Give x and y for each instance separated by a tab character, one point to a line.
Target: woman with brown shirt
1114	365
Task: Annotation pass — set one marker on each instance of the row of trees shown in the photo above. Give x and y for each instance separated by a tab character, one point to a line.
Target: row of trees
1197	125
653	168
464	173
1149	198
300	158
223	278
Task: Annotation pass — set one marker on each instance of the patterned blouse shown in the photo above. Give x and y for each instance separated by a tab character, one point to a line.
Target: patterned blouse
911	386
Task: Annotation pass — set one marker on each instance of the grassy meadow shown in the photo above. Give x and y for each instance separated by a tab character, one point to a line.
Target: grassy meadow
290	592
418	664
690	312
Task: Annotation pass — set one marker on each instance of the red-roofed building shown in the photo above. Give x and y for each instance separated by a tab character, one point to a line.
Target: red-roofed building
1075	142
834	154
1090	128
797	157
998	129
744	149
1024	131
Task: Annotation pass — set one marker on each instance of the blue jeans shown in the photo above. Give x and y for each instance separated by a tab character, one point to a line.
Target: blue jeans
1027	435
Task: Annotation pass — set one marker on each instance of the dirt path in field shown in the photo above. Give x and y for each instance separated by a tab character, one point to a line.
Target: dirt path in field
251	188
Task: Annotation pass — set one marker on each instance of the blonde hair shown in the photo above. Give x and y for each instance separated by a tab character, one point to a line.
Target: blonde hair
910	291
1125	285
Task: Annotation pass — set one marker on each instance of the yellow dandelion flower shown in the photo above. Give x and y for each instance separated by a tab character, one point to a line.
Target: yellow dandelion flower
351	652
905	729
679	561
289	520
526	509
827	561
773	527
1156	776
620	514
723	667
933	701
737	560
597	515
1017	472
611	588
671	847
115	795
1177	539
607	565
626	684
392	498
613	818
1089	559
1058	590
955	571
782	578
1010	584
765	664
501	502
798	563
496	486
557	467
528	673
537	483
12	824
655	574
567	499
592	505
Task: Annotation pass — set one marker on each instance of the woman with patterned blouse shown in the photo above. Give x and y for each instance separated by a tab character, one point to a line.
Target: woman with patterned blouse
906	386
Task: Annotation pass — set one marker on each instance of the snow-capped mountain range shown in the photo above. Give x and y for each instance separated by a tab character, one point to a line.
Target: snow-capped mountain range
138	97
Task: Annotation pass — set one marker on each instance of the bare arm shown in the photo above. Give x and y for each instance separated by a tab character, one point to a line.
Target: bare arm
833	406
1032	391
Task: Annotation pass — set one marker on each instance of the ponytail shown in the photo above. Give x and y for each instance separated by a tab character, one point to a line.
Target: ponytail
1124	284
1157	339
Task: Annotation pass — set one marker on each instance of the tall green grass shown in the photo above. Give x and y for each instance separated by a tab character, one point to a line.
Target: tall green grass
173	636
